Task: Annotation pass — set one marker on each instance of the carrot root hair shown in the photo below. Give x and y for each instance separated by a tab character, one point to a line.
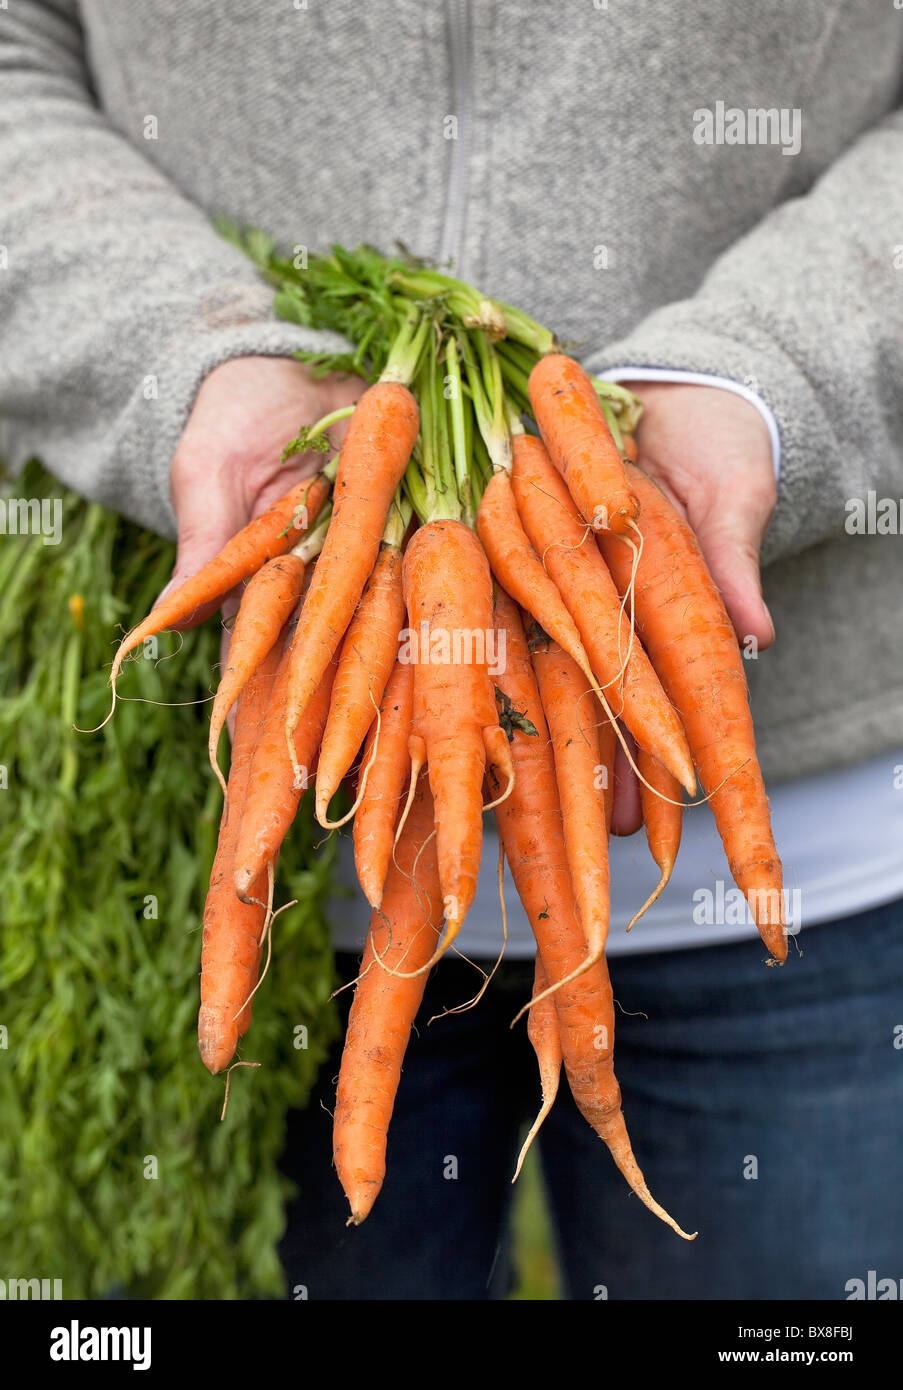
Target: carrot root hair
229	1083
653	896
487	979
417	751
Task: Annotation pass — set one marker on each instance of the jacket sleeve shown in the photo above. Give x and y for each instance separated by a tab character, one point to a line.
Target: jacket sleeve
117	296
806	311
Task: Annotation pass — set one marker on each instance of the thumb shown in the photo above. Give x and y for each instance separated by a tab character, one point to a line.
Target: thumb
731	539
627	808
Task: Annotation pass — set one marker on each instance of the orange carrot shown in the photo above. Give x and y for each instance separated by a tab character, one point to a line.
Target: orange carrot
530	826
272	533
630	448
372	462
275	788
685	628
518	567
606	780
542	1030
230	948
448	594
377	812
403	933
662	817
571	716
619	663
365	665
576	434
266	605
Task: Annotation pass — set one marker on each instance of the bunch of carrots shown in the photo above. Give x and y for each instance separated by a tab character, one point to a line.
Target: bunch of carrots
485	492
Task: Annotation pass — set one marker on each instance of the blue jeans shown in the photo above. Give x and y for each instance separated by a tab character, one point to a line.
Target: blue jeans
765	1107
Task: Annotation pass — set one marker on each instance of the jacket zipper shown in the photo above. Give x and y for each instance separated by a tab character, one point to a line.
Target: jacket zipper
460	49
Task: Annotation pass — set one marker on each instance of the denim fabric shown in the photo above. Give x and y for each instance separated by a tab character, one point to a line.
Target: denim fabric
727	1069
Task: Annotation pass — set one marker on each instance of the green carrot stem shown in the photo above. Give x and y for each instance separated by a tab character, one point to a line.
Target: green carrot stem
467	413
405	353
518	355
624	403
415	488
311	543
611	420
445	467
398	520
437	469
481	408
482	463
312	438
300	518
516	380
485	407
463	301
512	415
427	438
525	330
454	392
497	441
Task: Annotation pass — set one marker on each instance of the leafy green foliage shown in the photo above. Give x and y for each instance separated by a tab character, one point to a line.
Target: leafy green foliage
106	842
303	443
349	292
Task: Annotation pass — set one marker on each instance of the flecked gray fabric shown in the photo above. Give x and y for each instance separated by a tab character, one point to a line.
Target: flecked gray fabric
574	133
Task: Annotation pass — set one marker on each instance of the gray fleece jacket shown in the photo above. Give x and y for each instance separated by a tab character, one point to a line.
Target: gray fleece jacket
600	162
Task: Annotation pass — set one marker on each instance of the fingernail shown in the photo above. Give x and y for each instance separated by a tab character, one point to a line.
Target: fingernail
770	619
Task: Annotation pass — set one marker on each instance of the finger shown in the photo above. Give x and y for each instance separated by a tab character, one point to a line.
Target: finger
275	487
627	811
729	518
301	466
207	518
731	538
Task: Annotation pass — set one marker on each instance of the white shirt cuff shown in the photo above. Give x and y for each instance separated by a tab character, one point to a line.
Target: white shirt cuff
618	374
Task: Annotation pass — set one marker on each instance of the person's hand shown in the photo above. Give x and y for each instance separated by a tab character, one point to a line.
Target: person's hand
710	451
228	466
